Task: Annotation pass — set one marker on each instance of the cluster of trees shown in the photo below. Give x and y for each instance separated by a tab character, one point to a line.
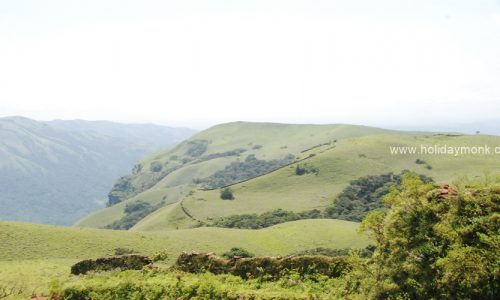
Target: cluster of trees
241	170
234	152
257	221
364	195
196	148
134	212
128	186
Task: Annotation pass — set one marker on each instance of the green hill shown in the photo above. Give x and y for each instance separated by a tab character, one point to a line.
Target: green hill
168	176
336	167
337	153
57	172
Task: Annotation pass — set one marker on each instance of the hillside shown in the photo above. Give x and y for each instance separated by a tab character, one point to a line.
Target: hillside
338	153
166	177
336	167
33	255
56	172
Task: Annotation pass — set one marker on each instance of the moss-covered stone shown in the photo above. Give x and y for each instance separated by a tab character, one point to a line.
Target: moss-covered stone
272	267
126	262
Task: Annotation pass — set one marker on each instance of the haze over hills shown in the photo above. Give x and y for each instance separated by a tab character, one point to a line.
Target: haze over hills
58	171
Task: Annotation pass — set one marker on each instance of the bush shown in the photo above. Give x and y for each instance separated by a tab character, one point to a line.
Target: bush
155	166
129	262
436	243
160	256
226	194
305	170
123	251
237	252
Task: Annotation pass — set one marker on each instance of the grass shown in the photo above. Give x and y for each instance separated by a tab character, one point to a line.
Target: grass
33	254
178	285
29	241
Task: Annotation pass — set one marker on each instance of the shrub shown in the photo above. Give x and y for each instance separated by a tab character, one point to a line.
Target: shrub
436	243
305	170
420	161
237	252
161	255
226	194
129	262
156	166
123	251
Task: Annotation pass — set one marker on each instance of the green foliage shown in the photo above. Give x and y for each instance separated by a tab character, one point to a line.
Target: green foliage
436	243
128	262
121	190
123	251
153	284
364	195
155	166
196	148
134	212
226	194
161	255
324	252
234	152
238	171
365	252
267	219
305	170
237	252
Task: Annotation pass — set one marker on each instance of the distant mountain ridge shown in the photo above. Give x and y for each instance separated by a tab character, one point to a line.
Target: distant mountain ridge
58	171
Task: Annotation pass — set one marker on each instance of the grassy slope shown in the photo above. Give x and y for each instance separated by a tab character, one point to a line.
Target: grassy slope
277	140
350	159
30	241
33	254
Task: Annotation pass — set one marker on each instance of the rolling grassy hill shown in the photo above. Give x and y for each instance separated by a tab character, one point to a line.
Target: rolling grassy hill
340	153
57	172
32	255
349	160
168	176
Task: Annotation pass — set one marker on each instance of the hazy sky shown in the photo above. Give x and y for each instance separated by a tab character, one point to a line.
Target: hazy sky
201	62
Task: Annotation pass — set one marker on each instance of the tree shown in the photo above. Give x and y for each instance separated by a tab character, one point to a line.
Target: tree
226	194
